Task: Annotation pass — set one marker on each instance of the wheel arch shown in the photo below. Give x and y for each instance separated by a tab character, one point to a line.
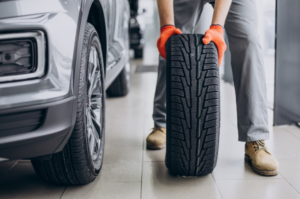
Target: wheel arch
91	11
96	17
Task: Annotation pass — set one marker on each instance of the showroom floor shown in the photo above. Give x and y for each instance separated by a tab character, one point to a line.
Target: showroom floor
131	172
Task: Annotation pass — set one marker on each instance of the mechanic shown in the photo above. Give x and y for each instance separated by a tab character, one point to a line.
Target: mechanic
241	25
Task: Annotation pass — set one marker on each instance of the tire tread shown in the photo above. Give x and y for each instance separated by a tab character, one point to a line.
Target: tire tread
193	106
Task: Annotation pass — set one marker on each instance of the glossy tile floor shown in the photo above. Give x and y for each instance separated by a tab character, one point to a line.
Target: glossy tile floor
131	172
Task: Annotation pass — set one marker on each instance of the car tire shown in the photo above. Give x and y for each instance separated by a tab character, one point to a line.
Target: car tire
81	159
193	106
121	85
138	53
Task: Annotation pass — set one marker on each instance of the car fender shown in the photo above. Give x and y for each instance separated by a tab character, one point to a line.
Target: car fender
85	7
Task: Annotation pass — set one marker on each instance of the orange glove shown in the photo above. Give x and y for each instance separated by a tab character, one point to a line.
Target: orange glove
165	33
215	34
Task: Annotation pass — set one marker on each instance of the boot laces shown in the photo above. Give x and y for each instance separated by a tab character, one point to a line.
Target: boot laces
260	145
156	129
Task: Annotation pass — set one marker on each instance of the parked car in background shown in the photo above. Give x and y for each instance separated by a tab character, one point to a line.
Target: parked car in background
58	59
136	29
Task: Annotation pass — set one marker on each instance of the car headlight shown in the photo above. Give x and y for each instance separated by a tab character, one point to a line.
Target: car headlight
22	56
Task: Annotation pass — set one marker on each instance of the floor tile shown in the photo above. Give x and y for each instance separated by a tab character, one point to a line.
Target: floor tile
227	99
100	190
126	137
125	118
6	166
158	183
233	149
122	171
124	140
283	144
122	107
264	189
148	124
117	107
116	154
289	169
24	161
236	169
295	130
228	132
124	132
154	155
122	164
22	182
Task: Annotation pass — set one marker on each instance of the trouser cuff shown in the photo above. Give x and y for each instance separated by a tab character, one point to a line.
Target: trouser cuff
254	132
254	137
160	124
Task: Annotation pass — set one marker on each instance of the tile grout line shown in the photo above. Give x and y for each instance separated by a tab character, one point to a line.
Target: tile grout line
288	158
287	130
216	185
143	145
117	181
63	192
142	173
154	161
266	179
10	169
289	183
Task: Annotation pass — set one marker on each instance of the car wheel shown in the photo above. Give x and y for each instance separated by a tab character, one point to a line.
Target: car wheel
81	159
193	106
121	85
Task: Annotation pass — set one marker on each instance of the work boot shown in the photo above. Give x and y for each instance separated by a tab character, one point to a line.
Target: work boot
157	138
260	159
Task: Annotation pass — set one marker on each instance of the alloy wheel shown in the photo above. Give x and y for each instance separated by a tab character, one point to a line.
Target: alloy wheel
94	106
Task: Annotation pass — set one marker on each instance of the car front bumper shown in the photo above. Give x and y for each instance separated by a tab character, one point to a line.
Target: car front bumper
52	93
49	138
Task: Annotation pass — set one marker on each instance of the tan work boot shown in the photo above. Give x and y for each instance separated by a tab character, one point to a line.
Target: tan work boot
260	159
157	138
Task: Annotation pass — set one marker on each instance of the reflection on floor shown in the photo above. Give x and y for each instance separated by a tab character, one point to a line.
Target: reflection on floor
131	172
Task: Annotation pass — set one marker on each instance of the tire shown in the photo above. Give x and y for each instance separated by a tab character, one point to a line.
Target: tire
138	53
80	161
121	85
193	106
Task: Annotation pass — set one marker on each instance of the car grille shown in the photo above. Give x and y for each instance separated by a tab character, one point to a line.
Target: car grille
22	122
17	57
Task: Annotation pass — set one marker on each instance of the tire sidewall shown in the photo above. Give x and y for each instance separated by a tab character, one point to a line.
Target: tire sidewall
93	40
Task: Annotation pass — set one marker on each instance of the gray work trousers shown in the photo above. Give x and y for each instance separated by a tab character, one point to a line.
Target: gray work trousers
241	27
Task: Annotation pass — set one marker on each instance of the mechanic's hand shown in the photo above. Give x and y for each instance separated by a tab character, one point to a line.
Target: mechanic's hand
215	34
165	33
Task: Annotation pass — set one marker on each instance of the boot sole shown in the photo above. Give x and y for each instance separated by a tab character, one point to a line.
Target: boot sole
260	172
156	147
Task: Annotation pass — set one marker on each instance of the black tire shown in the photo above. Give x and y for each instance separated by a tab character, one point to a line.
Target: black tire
193	106
75	164
121	85
138	53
